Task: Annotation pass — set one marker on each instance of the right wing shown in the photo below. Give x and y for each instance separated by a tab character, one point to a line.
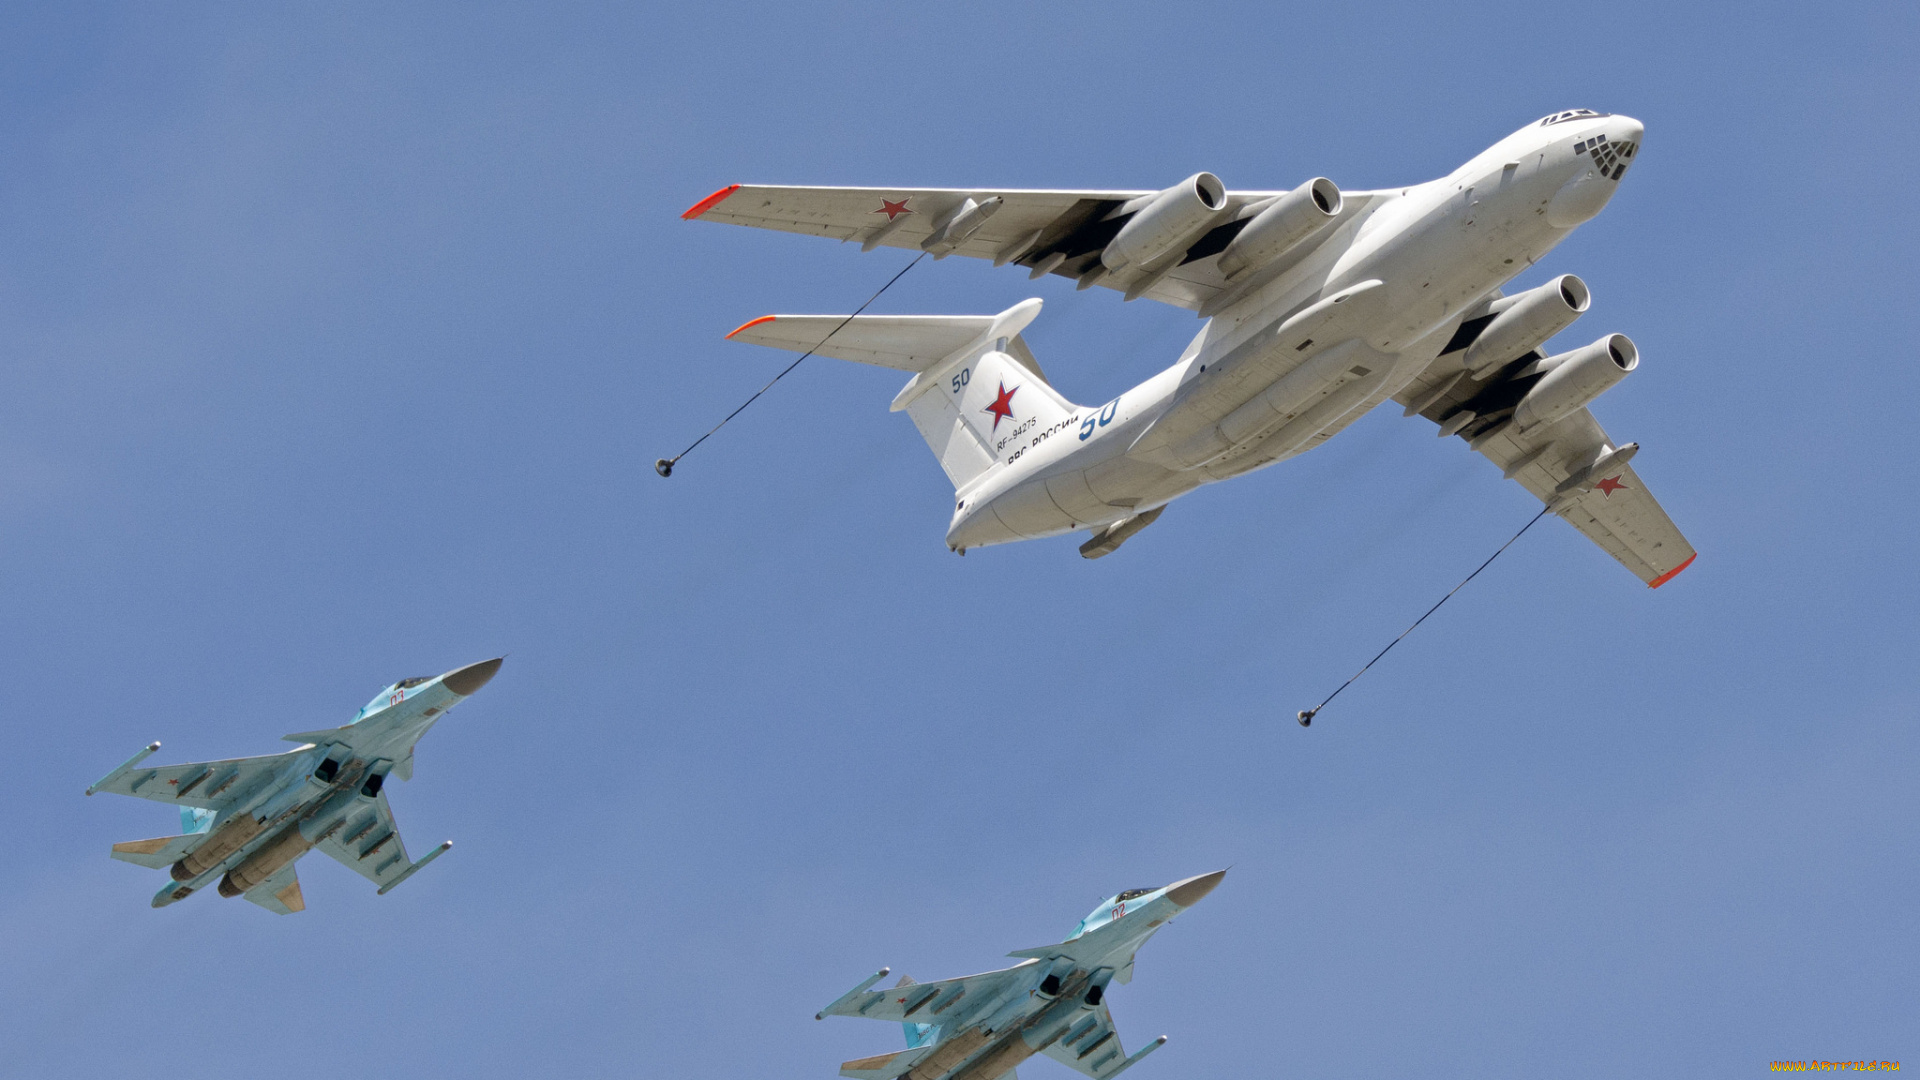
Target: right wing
1059	232
924	1003
207	785
1090	1045
369	843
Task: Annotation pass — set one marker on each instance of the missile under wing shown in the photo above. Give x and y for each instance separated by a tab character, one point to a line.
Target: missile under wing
246	821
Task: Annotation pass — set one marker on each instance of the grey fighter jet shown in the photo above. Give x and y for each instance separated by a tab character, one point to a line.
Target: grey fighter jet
1053	1002
247	820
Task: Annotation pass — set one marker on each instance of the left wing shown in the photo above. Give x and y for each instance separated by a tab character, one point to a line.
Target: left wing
368	843
207	785
280	893
1573	467
1091	1045
924	1003
1059	232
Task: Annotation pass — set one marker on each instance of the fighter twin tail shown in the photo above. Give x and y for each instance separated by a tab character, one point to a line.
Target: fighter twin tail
1319	305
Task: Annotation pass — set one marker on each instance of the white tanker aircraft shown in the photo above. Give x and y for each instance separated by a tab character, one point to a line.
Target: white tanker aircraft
1319	305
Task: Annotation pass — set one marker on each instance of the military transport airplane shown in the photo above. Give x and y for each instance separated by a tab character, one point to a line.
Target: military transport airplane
1320	304
247	820
1053	1002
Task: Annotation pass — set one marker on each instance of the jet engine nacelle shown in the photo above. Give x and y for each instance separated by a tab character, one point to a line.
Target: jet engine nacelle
1280	227
1523	321
1169	222
1574	379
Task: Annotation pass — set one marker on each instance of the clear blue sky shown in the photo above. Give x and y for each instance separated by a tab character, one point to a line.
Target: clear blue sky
337	348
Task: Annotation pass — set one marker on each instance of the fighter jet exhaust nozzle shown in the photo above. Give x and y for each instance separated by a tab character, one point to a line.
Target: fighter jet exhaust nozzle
1281	227
225	840
1574	379
1167	224
1523	321
468	680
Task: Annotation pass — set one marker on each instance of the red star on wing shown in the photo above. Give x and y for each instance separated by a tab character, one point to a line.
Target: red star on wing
1002	407
1610	485
175	782
894	209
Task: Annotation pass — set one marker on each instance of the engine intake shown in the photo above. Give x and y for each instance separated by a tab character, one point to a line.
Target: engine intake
1574	379
1523	321
1169	222
1281	226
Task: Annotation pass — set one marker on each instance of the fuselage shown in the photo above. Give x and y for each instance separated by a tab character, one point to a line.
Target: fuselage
1293	356
328	788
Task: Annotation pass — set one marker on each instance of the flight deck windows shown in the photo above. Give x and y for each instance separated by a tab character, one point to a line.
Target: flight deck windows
1570	114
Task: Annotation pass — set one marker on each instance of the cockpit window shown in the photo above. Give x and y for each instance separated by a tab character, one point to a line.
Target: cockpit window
1130	894
1570	114
408	684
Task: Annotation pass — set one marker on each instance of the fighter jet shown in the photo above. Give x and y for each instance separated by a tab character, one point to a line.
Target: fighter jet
246	821
1319	305
1053	1002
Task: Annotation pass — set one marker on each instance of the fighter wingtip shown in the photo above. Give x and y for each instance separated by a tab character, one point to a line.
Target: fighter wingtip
709	202
1673	573
751	322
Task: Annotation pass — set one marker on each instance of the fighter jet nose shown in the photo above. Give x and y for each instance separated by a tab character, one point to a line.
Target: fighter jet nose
1191	891
471	678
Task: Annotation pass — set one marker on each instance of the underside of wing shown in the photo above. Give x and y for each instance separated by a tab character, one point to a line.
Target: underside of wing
1048	232
368	843
906	342
1569	464
924	1003
1090	1044
205	785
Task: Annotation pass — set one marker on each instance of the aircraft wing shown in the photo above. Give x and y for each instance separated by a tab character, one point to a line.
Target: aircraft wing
369	843
280	893
1028	228
923	1003
208	785
1610	505
1092	1048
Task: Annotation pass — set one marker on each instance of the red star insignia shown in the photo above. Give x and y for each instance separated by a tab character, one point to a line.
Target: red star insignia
902	1001
174	782
1002	407
894	209
1610	485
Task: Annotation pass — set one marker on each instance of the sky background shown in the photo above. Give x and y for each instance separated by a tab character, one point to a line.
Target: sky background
338	344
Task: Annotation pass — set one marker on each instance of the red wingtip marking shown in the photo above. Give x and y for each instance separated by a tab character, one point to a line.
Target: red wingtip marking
709	202
1673	573
770	318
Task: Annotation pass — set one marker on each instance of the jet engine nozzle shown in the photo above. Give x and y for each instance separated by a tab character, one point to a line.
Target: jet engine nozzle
1167	224
1194	889
1281	227
1524	321
1574	379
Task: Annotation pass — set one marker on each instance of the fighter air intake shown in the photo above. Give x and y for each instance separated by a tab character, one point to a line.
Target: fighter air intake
1167	224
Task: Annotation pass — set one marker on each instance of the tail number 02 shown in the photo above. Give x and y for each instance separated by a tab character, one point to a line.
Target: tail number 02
1102	419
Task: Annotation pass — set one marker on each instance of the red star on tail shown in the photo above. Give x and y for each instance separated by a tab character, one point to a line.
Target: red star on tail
894	209
1002	407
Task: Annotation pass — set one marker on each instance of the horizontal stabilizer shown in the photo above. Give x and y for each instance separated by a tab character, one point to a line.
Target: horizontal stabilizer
280	893
885	1066
907	342
158	853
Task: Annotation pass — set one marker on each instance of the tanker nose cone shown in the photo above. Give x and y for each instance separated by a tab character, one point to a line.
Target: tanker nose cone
1626	129
471	678
1191	891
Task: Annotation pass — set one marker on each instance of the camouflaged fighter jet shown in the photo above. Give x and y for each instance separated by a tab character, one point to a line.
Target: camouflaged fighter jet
247	820
1319	305
1053	1002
